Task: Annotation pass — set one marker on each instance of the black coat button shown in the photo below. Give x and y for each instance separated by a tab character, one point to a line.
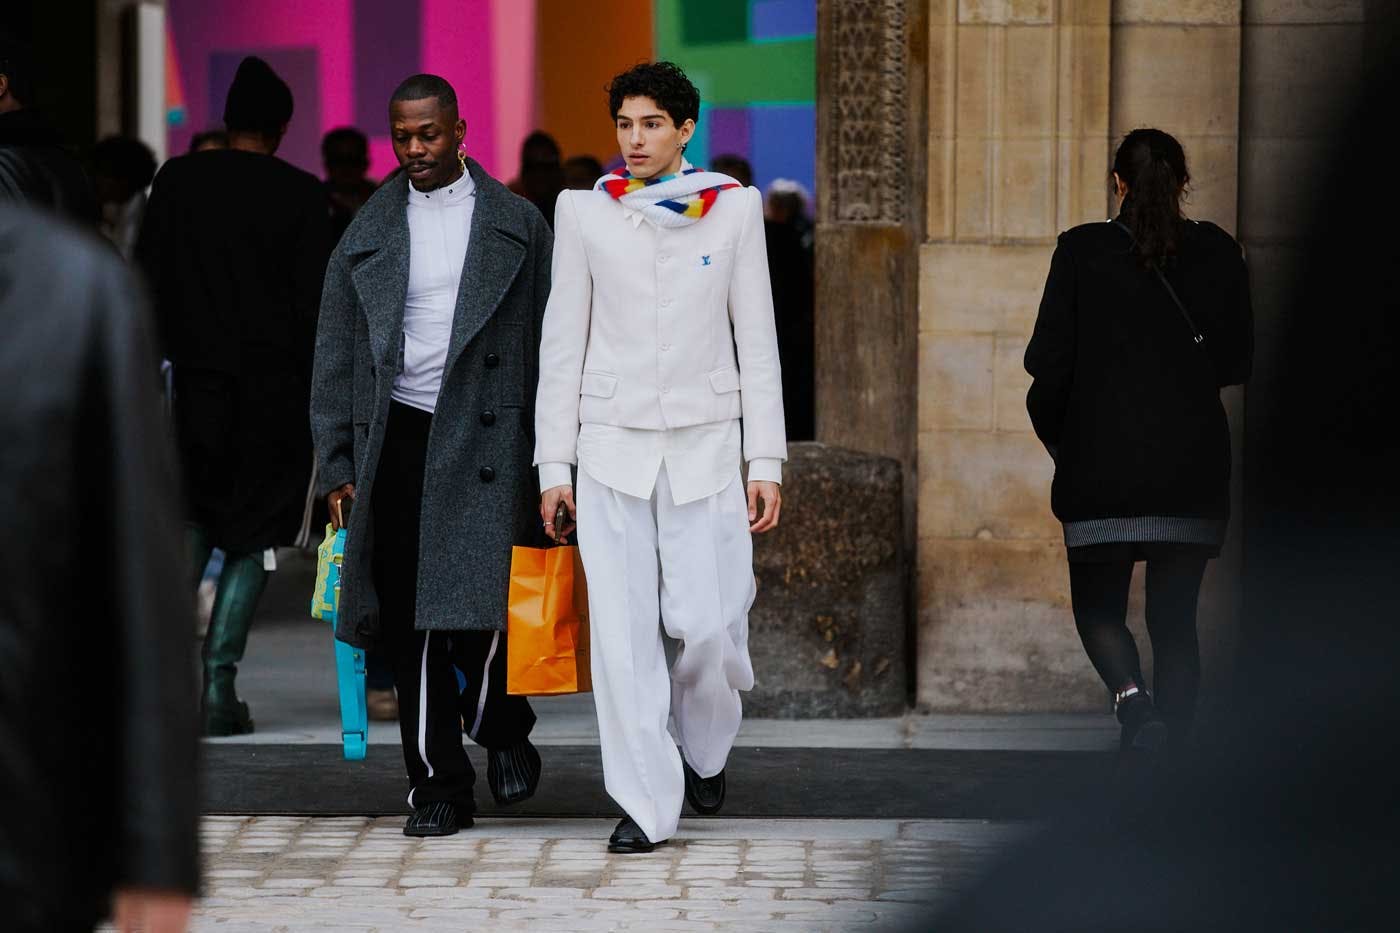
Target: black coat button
488	418
492	361
487	474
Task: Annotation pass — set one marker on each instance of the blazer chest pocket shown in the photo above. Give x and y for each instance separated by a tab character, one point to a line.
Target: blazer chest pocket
598	385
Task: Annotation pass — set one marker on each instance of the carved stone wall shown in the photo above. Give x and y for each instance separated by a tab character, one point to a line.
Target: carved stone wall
871	84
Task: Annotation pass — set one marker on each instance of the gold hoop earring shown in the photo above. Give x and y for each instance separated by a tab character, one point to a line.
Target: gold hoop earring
462	159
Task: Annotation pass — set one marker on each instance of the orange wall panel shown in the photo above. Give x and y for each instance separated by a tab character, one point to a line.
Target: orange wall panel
579	47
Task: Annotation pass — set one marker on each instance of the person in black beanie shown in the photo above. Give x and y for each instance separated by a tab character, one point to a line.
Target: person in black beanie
235	243
1144	319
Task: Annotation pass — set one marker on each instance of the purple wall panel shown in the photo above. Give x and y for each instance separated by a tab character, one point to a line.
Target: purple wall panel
784	138
387	44
729	131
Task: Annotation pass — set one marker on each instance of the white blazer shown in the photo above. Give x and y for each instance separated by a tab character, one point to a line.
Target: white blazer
659	328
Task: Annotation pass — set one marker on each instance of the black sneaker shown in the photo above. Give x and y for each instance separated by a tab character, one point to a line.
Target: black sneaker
629	838
435	819
513	773
706	795
1144	730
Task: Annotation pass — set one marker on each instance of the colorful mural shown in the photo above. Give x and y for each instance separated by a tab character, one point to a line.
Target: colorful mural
343	58
754	62
516	64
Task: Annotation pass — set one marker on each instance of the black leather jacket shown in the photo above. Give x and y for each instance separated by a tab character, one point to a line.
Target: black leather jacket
98	743
35	169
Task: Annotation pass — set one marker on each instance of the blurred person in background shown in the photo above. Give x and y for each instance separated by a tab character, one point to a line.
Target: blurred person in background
345	155
98	747
1144	320
581	173
234	246
35	167
122	171
790	272
208	139
541	175
789	203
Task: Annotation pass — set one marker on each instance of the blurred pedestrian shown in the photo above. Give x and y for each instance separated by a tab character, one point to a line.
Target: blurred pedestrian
426	356
208	139
345	155
235	245
98	776
122	171
791	275
581	173
541	176
1144	319
789	203
35	168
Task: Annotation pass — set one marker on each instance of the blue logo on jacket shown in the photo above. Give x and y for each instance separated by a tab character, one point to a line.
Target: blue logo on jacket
705	260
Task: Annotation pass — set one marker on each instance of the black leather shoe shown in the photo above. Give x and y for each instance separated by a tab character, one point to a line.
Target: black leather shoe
706	795
435	819
628	837
513	773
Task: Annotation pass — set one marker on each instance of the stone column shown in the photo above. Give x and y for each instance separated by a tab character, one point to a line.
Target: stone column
871	114
1017	151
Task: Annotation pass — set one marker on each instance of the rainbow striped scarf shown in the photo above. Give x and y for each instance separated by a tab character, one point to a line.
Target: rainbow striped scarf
669	201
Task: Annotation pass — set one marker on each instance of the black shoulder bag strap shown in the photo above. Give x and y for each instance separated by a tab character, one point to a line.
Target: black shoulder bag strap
1196	334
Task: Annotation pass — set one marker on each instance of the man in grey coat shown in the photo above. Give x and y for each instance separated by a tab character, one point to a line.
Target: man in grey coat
422	410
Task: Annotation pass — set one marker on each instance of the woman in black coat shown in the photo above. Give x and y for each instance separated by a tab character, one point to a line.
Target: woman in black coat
1143	320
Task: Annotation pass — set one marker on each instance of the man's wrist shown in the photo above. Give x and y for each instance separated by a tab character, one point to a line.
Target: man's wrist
766	470
555	474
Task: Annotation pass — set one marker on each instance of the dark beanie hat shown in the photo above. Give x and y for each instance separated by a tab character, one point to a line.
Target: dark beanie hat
258	99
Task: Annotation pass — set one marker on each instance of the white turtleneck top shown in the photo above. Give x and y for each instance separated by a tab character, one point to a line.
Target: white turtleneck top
439	228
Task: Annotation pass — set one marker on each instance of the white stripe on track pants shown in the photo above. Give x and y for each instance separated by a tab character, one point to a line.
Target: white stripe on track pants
689	568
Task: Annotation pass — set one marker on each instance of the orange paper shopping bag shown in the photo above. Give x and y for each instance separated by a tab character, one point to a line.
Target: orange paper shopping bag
547	623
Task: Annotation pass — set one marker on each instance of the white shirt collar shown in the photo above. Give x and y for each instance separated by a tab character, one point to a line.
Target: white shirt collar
446	196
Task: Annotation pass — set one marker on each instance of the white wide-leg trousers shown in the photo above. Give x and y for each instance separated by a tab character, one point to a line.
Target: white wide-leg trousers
689	568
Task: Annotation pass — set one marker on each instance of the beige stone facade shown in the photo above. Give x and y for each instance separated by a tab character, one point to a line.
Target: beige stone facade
1020	106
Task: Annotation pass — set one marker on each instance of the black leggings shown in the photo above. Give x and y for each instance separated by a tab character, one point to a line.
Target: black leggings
1100	595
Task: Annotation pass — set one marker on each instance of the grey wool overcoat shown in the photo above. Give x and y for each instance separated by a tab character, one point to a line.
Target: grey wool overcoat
480	494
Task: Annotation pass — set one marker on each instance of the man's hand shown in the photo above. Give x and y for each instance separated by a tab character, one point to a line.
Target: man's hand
136	910
772	498
333	501
549	505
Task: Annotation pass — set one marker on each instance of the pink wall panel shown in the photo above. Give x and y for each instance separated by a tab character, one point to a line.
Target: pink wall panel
486	48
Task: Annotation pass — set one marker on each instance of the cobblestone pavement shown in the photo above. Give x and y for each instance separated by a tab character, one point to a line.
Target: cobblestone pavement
295	873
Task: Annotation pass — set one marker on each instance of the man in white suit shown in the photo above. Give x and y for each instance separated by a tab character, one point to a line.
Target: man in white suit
658	338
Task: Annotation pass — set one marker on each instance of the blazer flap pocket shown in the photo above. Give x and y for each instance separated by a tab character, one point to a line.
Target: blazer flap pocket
725	380
598	385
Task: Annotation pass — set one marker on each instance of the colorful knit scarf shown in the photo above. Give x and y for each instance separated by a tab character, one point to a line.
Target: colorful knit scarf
669	201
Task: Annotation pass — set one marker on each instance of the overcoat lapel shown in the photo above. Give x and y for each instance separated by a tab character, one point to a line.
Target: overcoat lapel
379	270
495	251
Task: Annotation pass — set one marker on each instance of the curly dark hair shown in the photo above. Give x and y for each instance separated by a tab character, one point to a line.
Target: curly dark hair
663	82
